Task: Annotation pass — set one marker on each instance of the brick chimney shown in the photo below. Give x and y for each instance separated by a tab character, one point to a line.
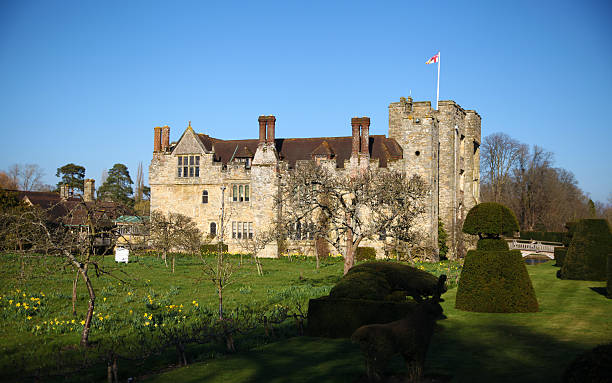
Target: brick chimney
365	135
271	127
157	140
165	138
262	129
355	121
90	189
64	191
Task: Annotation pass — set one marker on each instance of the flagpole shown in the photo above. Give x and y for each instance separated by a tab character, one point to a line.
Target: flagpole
438	88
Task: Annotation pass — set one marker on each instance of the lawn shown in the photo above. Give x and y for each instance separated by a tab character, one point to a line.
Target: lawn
470	347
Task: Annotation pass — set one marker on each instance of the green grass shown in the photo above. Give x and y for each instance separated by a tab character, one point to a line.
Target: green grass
471	347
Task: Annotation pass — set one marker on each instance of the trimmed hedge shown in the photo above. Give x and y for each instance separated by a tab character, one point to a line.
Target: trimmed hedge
591	366
365	254
560	253
587	255
490	244
490	220
609	284
212	248
339	318
364	281
546	236
495	282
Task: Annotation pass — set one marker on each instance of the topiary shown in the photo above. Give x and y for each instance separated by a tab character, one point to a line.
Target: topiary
586	257
364	285
365	254
442	238
560	253
591	366
490	244
609	284
496	282
490	220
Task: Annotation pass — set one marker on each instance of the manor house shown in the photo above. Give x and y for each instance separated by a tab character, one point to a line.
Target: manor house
192	175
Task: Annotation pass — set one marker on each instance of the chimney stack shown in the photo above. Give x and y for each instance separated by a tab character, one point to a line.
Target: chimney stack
365	135
64	191
157	140
262	130
165	138
271	127
355	147
90	189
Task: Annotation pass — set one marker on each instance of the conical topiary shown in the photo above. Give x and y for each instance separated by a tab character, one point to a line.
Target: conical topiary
494	279
586	257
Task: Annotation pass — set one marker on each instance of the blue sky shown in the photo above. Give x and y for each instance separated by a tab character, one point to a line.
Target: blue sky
86	82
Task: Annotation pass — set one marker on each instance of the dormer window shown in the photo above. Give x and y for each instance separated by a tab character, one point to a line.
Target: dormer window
188	166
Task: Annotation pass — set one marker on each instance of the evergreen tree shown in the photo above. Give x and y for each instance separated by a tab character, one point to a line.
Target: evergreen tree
118	186
71	175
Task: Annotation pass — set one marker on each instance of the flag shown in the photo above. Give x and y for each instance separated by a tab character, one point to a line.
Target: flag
434	59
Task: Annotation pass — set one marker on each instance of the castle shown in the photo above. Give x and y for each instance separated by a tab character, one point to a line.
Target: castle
442	146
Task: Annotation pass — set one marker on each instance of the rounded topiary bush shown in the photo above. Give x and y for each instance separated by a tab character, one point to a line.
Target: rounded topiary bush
364	285
592	366
586	258
495	282
492	244
490	220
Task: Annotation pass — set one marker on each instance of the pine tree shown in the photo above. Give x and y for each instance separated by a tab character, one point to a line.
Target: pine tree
118	186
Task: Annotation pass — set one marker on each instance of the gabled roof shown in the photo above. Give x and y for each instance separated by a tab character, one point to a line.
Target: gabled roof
297	149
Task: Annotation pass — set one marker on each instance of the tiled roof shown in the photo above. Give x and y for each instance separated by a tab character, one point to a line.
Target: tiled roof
296	149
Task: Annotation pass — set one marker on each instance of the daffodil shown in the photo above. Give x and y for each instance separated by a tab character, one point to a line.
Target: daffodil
83	322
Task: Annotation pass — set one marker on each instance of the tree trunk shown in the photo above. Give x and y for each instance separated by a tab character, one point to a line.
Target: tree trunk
74	293
90	308
165	257
220	292
349	259
173	262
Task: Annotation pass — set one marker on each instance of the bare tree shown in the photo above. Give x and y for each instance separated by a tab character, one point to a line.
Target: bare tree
356	207
139	184
31	177
7	182
500	154
258	242
173	232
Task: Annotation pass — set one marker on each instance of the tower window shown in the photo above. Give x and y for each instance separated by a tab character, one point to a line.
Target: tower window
417	153
205	196
213	229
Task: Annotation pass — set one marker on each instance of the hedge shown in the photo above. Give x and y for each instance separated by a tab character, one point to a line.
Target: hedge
586	258
339	318
490	244
490	219
212	248
546	236
560	253
365	254
591	366
495	282
609	269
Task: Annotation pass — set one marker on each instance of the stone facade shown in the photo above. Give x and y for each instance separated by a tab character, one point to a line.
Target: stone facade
441	146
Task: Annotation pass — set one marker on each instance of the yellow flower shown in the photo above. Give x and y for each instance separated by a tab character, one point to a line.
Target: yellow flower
83	322
130	312
107	316
150	317
29	317
104	299
37	327
129	293
18	304
72	321
146	323
10	301
101	318
145	315
24	294
155	324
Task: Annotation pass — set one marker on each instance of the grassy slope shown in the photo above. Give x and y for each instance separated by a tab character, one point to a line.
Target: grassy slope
472	347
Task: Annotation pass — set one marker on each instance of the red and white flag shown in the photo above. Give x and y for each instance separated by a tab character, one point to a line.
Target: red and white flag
434	59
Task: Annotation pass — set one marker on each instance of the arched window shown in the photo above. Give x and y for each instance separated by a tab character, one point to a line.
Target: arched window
205	196
213	229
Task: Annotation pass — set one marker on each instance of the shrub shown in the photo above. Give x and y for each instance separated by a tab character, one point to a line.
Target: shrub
414	282
365	254
442	237
560	253
490	220
587	255
212	248
592	366
490	244
496	282
545	236
609	284
364	285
